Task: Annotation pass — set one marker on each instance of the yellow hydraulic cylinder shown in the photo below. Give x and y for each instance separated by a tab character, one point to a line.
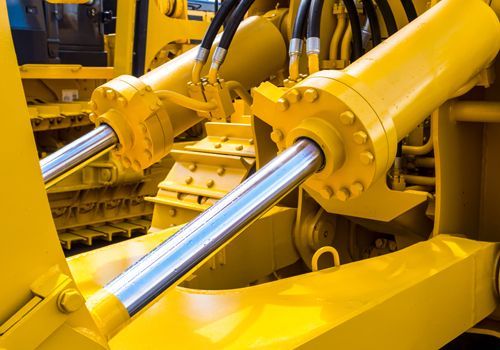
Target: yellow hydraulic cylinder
422	66
146	122
357	115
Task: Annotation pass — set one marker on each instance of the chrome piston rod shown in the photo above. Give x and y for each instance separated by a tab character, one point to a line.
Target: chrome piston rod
77	152
197	241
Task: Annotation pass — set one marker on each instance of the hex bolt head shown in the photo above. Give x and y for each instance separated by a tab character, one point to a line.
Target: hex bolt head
224	139
347	118
326	192
343	194
366	158
217	145
393	246
172	212
360	137
277	135
239	148
106	174
283	104
110	94
192	167
357	188
122	102
70	300
310	95
380	243
188	180
210	183
221	171
294	96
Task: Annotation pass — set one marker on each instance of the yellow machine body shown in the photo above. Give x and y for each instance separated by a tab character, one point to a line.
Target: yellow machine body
388	246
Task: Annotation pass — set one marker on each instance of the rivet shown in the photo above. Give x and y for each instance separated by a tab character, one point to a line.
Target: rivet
294	96
221	171
144	128
110	94
366	158
326	192
172	212
224	139
122	101
276	135
159	103
239	148
343	194
148	142
188	179
360	137
210	183
283	104
347	118
310	95
217	145
357	188
192	167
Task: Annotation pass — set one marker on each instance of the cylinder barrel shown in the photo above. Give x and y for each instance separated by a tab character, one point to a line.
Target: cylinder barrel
196	242
425	63
77	152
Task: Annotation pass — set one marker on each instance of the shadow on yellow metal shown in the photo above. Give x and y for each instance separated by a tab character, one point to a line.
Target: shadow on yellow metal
426	294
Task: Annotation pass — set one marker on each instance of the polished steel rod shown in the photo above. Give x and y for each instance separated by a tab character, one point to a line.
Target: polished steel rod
199	240
77	152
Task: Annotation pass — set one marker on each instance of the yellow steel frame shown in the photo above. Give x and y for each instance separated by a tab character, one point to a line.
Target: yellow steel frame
426	294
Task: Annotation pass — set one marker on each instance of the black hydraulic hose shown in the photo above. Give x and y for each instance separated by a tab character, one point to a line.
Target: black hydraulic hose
390	21
409	8
374	25
314	19
300	20
357	42
217	22
234	21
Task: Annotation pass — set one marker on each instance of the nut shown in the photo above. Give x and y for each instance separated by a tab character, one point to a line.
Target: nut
70	300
